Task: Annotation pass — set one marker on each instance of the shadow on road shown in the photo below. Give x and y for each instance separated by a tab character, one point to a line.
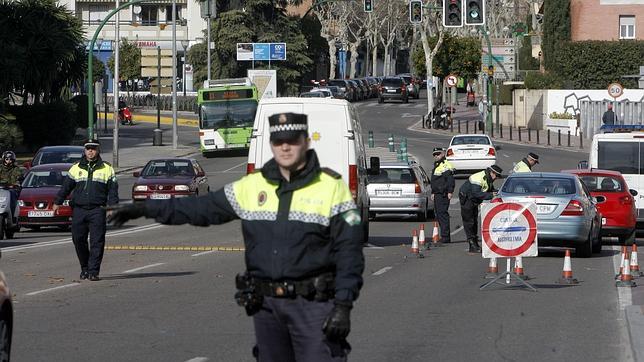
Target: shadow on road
147	275
388	240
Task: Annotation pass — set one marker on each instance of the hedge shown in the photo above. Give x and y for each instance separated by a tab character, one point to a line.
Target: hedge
46	124
534	80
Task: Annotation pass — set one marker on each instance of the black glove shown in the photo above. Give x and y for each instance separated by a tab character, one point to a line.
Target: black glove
338	324
124	212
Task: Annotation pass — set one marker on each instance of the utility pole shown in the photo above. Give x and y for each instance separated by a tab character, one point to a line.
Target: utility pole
175	135
115	92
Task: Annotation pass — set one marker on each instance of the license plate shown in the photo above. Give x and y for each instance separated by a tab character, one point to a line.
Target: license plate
40	214
160	196
391	91
603	221
545	209
388	192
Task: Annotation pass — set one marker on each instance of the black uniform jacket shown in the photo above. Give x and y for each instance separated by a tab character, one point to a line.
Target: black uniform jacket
478	187
94	184
292	230
442	180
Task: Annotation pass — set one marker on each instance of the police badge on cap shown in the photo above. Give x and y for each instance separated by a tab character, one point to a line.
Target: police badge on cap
287	126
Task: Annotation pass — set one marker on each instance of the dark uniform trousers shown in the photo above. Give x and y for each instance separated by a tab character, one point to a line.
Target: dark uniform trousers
92	222
288	328
441	209
470	215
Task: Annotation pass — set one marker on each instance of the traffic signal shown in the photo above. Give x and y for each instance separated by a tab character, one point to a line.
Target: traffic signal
453	13
368	6
416	11
475	12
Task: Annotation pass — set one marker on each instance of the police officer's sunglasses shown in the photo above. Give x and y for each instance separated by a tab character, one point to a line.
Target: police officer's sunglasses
91	147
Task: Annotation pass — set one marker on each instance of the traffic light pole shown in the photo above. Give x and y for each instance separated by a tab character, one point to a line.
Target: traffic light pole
488	121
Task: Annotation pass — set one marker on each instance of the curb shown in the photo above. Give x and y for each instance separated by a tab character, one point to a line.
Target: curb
144	118
635	324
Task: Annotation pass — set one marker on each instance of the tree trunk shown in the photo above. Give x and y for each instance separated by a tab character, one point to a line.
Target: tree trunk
332	57
429	63
353	48
374	59
385	70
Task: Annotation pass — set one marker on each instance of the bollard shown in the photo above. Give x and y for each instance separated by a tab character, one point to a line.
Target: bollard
519	133
467	127
459	126
451	126
157	137
568	138
390	141
558	137
510	132
423	121
491	131
581	140
529	135
537	136
370	139
501	131
399	155
548	137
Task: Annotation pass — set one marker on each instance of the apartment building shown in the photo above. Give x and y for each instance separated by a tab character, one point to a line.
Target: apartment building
606	19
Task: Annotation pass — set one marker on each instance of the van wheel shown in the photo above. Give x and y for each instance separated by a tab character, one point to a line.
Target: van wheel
3	227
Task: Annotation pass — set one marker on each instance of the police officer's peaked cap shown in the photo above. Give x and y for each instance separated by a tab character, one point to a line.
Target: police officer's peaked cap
534	156
496	169
92	142
438	150
287	126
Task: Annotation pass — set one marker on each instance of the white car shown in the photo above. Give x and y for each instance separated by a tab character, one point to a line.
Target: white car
471	152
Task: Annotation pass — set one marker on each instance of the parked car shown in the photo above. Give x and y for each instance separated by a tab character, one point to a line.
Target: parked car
39	190
56	154
393	88
373	84
359	90
566	212
168	178
336	91
412	85
470	153
345	87
316	94
615	202
6	319
399	187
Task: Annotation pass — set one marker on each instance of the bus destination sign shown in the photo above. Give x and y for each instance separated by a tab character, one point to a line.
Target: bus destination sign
223	95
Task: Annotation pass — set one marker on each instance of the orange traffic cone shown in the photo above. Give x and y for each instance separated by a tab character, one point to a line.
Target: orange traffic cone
435	234
635	267
566	274
414	243
421	238
621	263
626	279
518	268
492	269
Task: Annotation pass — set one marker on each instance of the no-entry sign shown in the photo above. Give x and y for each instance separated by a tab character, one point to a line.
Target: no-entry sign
509	229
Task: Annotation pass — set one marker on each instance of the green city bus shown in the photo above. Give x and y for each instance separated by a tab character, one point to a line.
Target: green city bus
226	113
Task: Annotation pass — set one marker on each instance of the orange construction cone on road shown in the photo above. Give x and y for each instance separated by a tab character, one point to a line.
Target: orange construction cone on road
621	263
435	234
414	243
626	279
492	269
566	274
421	238
635	267
518	268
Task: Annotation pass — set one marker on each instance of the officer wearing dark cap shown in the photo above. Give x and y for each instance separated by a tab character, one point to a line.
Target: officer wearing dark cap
477	188
93	182
303	238
442	182
526	164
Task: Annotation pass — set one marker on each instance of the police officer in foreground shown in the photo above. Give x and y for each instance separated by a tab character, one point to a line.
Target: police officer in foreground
10	177
303	238
526	164
473	192
93	182
442	182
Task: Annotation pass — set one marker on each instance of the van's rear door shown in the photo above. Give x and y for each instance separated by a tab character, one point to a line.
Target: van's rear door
626	156
328	131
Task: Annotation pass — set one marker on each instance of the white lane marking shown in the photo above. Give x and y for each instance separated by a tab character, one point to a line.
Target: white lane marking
205	252
371	246
624	296
457	230
504	155
382	271
141	268
52	289
234	167
198	359
69	240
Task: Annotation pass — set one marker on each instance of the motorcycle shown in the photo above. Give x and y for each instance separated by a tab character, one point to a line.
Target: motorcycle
442	118
8	218
125	115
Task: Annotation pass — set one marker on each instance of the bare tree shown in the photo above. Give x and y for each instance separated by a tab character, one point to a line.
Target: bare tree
396	12
357	31
333	18
431	26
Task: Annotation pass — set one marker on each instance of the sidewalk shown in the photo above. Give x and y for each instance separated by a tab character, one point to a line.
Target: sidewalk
189	119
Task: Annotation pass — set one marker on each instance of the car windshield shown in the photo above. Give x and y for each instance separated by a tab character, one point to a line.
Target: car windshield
228	114
392	82
48	157
312	95
44	179
470	140
539	186
168	168
338	83
602	183
393	176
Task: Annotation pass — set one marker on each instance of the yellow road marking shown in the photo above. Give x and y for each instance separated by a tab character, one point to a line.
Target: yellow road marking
174	248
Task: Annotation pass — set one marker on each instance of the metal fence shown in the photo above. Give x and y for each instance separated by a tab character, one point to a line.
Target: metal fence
591	113
149	101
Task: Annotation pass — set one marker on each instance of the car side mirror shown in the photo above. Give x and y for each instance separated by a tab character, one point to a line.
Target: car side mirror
599	199
201	174
582	165
136	173
497	147
633	192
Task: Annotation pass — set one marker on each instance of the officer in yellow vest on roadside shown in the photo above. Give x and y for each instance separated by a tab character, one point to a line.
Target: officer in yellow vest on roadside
303	237
526	164
443	184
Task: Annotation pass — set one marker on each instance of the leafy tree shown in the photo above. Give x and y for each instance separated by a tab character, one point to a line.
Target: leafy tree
98	69
457	55
556	30
129	61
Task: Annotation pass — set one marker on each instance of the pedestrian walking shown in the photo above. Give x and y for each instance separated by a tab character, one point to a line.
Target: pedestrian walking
303	238
609	118
442	181
473	192
94	186
527	163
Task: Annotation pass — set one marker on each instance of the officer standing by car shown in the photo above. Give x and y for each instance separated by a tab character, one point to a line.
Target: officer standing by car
303	238
526	164
442	182
473	192
10	175
93	182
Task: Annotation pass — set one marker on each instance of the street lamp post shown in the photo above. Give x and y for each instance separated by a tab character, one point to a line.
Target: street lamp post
174	75
184	44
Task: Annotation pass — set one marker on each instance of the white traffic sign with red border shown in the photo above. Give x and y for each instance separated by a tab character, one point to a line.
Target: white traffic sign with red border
509	229
615	90
451	80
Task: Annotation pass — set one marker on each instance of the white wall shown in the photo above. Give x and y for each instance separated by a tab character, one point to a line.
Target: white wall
566	100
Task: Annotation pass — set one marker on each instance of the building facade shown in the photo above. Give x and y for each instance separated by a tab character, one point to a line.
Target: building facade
606	19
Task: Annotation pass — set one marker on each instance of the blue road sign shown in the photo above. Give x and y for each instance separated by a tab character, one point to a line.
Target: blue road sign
278	51
261	51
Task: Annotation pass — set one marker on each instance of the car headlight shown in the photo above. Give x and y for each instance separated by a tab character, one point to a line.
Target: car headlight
21	203
140	188
181	188
65	202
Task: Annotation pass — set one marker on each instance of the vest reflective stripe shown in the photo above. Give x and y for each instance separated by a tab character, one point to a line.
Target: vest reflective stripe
521	166
103	174
479	179
442	167
254	198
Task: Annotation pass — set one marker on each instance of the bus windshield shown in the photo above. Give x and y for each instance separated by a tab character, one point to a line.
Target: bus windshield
228	114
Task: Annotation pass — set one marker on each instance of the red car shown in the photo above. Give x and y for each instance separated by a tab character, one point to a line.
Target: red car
615	202
39	190
168	178
56	154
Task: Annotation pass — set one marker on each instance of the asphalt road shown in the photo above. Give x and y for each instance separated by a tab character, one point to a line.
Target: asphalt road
178	305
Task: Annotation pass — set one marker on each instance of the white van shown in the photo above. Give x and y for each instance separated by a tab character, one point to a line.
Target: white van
335	134
622	151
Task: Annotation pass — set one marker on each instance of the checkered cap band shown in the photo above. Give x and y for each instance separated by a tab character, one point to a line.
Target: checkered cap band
288	127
